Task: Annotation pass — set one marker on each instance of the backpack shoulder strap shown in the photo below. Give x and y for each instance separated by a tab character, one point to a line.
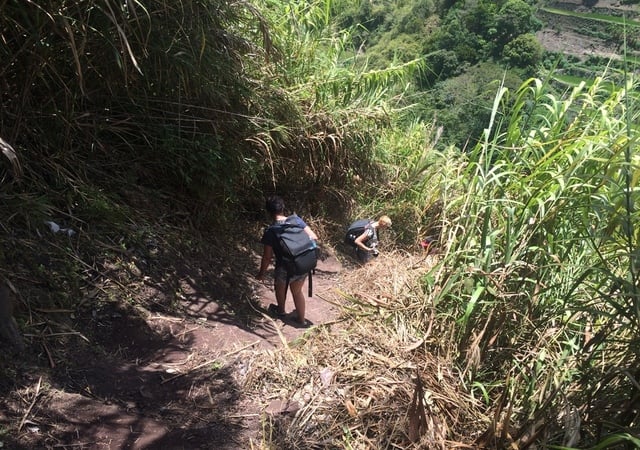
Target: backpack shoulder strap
293	220
276	228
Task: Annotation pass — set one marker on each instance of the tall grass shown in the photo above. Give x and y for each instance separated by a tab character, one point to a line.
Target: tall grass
343	106
539	271
215	101
142	93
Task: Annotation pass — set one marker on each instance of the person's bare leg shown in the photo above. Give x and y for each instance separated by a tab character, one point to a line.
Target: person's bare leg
280	287
298	298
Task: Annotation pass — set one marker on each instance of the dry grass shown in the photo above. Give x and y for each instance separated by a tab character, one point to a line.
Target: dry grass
368	381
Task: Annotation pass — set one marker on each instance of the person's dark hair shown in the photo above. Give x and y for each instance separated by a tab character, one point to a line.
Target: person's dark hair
275	205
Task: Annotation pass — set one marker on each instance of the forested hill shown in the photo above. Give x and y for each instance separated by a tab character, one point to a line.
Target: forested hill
468	46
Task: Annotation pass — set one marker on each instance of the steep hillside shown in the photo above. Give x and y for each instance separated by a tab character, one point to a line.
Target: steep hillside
577	30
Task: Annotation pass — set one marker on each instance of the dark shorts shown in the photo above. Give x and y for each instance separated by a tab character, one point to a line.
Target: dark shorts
280	274
363	256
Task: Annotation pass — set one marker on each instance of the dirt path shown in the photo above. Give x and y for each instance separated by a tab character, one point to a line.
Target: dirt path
142	377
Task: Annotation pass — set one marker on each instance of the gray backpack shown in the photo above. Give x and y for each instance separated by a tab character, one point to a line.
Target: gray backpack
355	230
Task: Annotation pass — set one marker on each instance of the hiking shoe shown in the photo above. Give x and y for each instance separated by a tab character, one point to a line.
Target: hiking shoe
292	321
273	310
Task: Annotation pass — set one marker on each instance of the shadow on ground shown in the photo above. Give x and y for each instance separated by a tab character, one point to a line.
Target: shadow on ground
133	344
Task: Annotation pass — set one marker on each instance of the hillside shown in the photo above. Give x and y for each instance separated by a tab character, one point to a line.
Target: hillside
158	350
170	345
133	206
586	34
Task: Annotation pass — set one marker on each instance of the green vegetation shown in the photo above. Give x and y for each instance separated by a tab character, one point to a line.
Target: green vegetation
531	190
539	269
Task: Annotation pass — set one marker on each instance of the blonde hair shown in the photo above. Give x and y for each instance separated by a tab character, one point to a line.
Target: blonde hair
385	220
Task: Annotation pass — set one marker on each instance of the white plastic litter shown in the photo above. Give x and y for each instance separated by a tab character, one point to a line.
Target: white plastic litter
55	228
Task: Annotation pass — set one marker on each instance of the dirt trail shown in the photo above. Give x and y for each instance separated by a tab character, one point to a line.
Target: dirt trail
148	379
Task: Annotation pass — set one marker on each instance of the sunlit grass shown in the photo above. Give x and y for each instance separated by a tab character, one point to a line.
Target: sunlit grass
539	242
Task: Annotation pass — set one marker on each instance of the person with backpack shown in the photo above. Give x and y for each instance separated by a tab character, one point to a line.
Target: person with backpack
285	233
363	236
